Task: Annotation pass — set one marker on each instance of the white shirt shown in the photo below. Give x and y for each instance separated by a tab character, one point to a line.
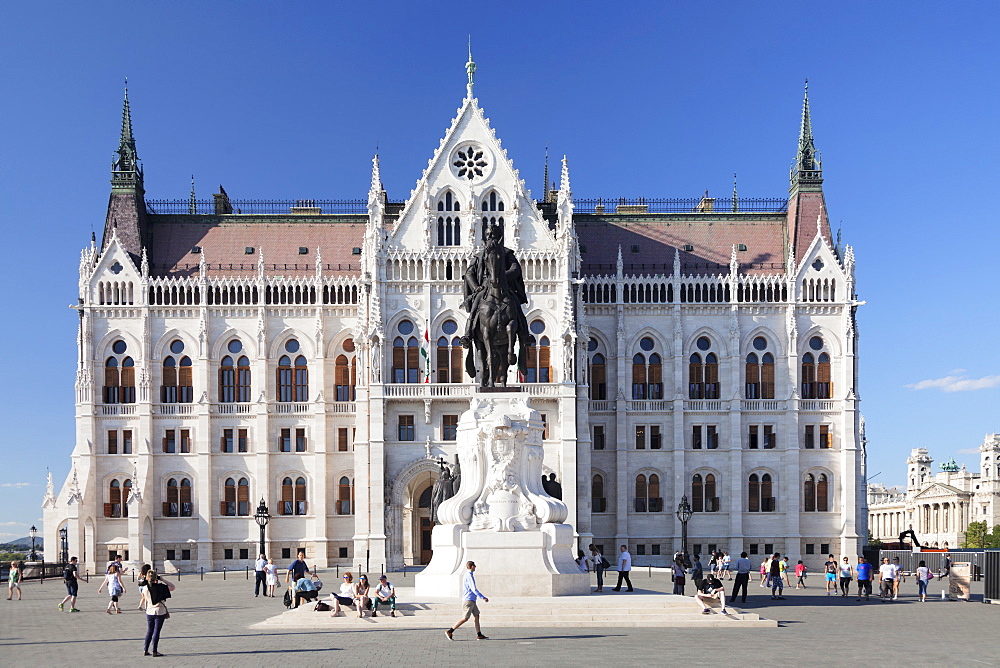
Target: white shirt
260	564
625	561
887	572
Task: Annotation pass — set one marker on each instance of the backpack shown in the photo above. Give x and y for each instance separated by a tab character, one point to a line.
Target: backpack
158	593
287	600
605	564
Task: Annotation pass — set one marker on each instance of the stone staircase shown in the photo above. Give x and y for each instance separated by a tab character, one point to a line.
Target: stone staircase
607	610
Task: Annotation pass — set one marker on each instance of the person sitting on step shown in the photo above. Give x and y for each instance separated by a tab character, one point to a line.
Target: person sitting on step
713	591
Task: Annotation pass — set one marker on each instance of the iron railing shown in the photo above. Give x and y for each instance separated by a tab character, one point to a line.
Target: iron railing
667	268
250	267
612	205
257	206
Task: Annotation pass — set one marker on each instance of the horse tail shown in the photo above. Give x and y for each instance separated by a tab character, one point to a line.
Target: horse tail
470	362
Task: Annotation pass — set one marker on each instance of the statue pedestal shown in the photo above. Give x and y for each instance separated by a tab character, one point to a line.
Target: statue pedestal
500	517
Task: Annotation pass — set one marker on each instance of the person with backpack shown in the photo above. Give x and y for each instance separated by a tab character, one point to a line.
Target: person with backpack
698	573
72	579
600	565
157	592
113	582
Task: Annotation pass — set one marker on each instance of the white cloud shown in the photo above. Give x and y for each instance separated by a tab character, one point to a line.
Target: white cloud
12	524
16	484
957	381
968	451
8	535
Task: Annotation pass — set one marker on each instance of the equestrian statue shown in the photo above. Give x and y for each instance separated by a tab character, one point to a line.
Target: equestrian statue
492	295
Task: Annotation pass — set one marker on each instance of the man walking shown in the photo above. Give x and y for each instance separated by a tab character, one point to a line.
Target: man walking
298	569
830	569
624	566
887	577
864	571
743	568
72	578
259	568
470	595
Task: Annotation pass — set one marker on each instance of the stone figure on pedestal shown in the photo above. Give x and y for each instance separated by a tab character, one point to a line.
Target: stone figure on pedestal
444	489
493	292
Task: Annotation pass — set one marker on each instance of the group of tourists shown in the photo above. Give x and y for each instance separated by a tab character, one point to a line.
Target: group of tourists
890	576
305	585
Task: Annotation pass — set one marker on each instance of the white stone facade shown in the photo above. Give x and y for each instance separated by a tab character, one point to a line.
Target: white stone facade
938	506
409	263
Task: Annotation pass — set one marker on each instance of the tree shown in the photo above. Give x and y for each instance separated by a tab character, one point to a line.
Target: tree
873	542
978	535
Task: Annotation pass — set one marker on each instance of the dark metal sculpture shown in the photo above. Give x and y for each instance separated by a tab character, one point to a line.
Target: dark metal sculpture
444	489
493	293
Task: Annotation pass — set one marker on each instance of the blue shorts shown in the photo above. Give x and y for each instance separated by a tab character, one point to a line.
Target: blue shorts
831	577
72	588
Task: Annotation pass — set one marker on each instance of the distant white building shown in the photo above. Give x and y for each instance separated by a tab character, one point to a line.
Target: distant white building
938	506
307	353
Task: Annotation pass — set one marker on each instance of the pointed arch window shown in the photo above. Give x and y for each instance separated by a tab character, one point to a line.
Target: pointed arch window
118	494
703	493
345	375
449	225
641	493
817	381
647	373
760	376
449	354
597	494
293	379
178	503
539	359
816	493
176	382
119	376
493	208
234	375
293	496
760	493
703	377
345	496
598	377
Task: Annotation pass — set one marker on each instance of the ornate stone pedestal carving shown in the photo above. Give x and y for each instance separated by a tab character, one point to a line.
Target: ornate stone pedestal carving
501	518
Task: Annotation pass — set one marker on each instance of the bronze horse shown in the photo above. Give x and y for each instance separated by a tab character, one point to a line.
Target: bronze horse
494	296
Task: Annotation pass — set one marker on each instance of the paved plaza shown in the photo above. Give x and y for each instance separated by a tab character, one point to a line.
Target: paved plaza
210	620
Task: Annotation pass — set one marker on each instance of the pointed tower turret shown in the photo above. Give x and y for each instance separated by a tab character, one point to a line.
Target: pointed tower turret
806	210
470	69
127	207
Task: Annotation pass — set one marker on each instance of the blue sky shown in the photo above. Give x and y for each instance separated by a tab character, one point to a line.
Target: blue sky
656	99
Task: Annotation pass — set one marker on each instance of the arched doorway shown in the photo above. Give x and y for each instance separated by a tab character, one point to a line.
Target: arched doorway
424	526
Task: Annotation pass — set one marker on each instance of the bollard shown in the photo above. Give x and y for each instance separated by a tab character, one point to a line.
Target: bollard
248	572
404	571
338	571
133	575
943	596
223	573
203	573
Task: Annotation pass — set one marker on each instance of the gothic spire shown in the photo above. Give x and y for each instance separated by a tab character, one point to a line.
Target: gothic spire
807	168
128	159
545	179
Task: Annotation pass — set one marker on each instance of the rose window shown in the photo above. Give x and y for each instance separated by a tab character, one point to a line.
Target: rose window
469	162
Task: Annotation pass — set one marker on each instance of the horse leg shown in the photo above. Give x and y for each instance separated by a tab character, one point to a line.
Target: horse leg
511	340
482	348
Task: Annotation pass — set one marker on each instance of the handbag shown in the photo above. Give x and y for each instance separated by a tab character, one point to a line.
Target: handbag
605	564
287	599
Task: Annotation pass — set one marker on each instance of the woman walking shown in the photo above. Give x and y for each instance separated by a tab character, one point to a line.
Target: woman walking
14	579
271	577
115	587
846	576
157	592
800	573
924	576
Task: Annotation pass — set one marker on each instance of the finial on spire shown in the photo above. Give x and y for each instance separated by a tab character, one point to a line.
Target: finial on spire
736	197
470	68
193	204
807	165
545	180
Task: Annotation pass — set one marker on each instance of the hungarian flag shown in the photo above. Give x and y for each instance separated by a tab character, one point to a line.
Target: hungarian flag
425	352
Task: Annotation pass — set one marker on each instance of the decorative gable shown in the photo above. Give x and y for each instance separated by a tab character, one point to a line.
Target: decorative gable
115	279
469	180
819	276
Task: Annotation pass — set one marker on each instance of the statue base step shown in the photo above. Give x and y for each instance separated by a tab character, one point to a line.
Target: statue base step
519	563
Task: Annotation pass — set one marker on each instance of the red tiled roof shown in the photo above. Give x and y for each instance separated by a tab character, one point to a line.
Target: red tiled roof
657	238
224	246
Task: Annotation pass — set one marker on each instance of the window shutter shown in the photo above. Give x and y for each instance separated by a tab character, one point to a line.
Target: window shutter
456	365
767	381
754	496
822	502
169	376
166	509
108	509
697	495
164	443
398	362
184	376
222	507
810	495
695	381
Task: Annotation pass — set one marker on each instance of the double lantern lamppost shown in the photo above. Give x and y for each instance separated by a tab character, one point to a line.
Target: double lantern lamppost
261	517
64	541
684	515
34	532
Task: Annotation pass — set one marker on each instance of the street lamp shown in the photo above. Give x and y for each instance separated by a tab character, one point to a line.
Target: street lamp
261	517
33	531
64	538
684	515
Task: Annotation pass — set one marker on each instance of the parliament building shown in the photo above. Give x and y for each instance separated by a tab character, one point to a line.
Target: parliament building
307	354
